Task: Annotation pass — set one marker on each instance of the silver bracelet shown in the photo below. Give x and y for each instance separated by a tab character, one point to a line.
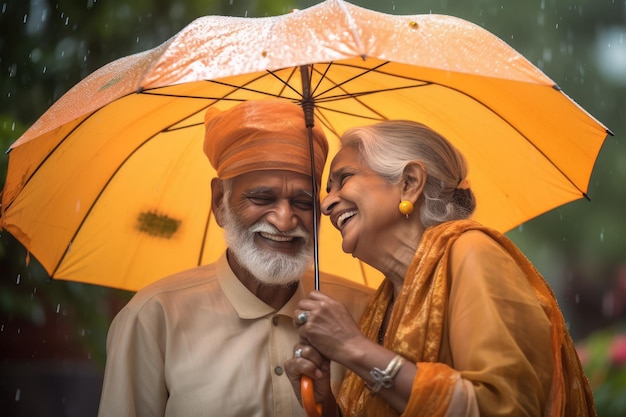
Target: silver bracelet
384	379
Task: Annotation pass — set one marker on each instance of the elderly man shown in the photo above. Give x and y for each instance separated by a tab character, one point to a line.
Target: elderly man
211	341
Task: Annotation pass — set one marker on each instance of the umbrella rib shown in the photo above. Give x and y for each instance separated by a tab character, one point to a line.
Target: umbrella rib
319	99
95	200
426	83
49	154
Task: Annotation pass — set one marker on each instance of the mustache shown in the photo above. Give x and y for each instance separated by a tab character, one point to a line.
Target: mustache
263	227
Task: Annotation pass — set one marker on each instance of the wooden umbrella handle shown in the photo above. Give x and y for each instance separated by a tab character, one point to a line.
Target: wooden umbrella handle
308	398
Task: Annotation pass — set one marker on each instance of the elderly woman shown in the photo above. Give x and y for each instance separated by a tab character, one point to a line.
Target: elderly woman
462	325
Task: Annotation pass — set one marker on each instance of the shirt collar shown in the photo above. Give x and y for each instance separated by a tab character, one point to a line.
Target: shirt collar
246	304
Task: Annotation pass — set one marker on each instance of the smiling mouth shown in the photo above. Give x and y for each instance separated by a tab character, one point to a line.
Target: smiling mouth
343	218
277	238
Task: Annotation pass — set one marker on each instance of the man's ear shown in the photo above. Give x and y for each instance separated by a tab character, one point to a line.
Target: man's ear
413	181
217	198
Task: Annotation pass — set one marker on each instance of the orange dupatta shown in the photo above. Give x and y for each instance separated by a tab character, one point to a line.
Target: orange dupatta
417	323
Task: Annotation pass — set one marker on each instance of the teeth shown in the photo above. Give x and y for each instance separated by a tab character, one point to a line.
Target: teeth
345	216
277	238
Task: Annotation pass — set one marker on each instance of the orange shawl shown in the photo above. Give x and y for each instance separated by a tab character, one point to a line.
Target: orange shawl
417	321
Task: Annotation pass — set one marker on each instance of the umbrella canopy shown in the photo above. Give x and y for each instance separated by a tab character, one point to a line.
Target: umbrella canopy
110	186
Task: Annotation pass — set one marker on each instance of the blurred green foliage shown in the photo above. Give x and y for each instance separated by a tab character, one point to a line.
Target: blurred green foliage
48	46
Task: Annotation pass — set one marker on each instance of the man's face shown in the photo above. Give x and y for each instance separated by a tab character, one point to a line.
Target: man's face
268	220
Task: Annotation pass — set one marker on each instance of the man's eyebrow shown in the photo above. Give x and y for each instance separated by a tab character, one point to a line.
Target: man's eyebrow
263	190
260	189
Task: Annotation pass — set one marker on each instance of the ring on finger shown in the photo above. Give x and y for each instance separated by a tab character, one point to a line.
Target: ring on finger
301	318
298	353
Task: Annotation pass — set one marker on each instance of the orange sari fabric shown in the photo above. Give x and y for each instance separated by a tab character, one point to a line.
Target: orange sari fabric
417	323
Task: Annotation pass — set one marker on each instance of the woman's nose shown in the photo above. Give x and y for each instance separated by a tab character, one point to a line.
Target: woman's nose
328	203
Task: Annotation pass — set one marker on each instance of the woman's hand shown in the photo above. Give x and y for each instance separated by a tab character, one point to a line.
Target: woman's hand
329	326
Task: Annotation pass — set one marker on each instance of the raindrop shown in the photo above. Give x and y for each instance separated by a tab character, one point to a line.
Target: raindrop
35	55
67	21
25	18
602	235
19	277
610	50
12	126
4	7
541	18
547	54
12	70
2	328
44	69
58	308
577	298
18	393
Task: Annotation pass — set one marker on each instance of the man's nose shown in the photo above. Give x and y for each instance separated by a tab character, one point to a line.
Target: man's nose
283	217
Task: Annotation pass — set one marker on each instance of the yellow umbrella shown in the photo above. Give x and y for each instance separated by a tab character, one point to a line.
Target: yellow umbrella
111	187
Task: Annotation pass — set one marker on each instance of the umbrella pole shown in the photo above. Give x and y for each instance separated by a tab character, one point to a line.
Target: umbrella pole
308	106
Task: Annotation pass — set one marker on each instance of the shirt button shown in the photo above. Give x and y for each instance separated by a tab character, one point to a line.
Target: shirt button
278	370
275	320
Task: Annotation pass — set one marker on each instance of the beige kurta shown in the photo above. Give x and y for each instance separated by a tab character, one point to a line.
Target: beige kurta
200	344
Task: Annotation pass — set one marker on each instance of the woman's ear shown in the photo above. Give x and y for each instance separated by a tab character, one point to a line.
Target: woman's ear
217	198
413	181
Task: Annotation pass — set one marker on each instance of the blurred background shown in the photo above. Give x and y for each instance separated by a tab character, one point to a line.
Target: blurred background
53	333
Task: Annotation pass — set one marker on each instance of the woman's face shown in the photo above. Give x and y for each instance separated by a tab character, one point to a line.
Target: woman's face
361	205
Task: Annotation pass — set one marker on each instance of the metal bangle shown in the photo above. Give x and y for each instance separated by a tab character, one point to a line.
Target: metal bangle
384	379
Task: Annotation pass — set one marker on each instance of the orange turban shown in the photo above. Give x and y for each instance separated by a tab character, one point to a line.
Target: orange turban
262	135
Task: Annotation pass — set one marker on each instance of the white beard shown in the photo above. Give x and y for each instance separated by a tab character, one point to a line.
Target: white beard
267	266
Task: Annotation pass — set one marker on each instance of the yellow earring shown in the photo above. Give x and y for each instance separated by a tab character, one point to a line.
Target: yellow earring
406	208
